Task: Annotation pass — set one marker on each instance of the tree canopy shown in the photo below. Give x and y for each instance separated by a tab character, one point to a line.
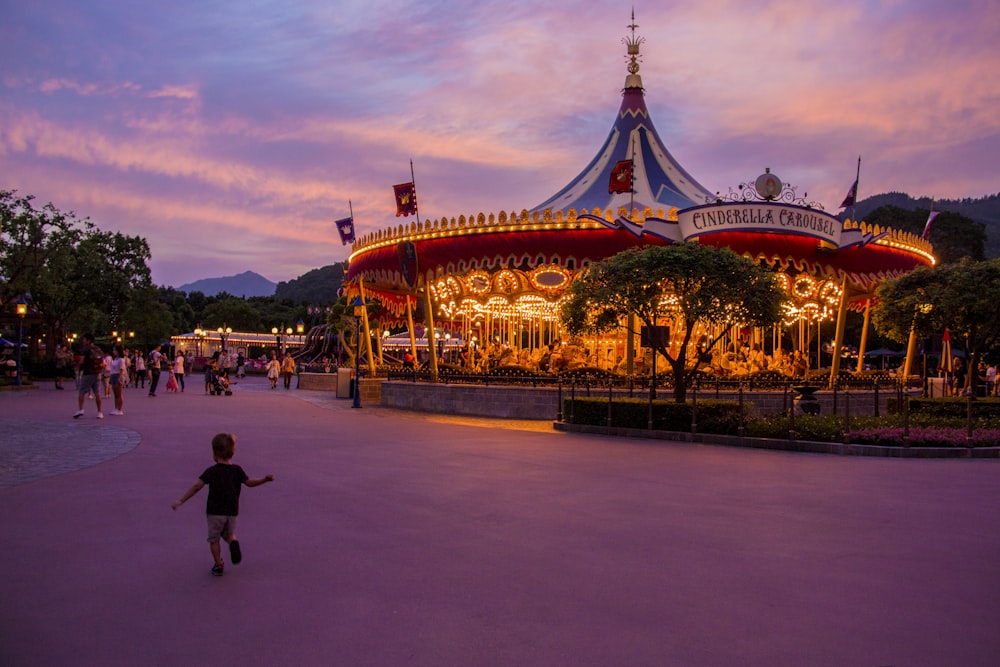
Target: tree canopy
953	235
962	297
685	283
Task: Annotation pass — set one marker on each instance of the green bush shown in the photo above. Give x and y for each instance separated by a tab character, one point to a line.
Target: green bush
713	416
822	428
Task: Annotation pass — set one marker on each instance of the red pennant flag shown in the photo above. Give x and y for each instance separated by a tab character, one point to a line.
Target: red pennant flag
406	199
930	221
852	196
621	177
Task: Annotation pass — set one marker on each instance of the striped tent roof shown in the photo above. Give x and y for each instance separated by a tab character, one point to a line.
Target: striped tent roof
659	181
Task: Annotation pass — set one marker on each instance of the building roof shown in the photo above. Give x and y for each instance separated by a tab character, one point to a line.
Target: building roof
659	181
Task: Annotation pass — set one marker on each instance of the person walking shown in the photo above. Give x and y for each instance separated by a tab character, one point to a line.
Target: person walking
155	360
179	369
64	360
288	369
273	370
91	367
224	481
118	378
140	369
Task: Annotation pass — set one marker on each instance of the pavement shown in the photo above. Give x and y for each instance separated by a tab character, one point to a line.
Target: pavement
395	538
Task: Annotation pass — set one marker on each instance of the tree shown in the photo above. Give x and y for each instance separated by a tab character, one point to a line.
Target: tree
78	276
962	297
686	283
232	312
953	235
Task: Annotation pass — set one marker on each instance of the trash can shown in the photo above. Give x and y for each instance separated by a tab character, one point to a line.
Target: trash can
345	383
936	387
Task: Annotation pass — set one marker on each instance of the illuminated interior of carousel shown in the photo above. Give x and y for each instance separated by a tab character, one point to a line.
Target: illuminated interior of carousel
490	286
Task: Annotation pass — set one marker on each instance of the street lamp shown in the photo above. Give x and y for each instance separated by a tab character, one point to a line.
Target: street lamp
22	310
224	333
199	335
359	309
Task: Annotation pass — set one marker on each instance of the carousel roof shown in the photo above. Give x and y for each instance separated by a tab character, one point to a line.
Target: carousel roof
658	180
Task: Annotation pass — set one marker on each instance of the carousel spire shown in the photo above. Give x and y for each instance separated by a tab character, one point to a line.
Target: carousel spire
633	80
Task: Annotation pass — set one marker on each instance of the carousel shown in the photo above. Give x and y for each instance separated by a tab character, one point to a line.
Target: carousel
496	281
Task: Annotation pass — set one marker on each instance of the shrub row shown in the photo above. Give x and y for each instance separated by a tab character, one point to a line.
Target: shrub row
927	428
713	416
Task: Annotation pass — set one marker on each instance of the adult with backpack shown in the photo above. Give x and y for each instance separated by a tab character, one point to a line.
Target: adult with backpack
91	366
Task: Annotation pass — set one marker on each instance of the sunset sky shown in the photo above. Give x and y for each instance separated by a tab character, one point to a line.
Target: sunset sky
232	134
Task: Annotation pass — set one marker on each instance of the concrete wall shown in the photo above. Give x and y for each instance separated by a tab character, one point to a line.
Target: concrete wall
542	403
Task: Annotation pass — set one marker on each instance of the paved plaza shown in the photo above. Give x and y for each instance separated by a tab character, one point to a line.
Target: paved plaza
393	538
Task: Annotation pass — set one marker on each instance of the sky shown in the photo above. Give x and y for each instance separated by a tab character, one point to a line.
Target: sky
231	135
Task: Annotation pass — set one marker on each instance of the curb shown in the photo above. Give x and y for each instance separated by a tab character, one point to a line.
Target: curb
804	446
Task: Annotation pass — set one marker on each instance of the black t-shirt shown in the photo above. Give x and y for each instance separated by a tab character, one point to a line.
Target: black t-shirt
225	481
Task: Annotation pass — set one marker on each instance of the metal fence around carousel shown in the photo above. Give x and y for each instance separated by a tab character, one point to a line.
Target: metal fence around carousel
586	379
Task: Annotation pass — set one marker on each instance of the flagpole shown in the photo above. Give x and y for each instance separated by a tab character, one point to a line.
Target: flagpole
416	207
857	181
351	209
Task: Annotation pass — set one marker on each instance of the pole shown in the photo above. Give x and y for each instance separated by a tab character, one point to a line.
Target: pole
20	340
864	335
368	334
416	208
839	337
357	363
430	330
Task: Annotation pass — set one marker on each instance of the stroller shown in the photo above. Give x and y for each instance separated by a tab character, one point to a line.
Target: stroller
216	384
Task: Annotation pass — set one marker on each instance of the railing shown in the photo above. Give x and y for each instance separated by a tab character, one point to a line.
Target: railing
587	381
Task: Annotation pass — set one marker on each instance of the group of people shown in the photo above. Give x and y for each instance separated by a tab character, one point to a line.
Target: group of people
99	374
285	368
959	383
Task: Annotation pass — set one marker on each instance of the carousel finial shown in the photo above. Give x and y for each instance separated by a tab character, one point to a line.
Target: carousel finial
633	80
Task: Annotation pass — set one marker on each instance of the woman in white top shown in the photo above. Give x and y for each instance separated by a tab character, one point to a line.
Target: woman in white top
140	369
179	369
118	377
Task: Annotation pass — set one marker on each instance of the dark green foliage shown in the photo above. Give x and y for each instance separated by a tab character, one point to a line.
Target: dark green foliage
822	428
318	287
713	416
952	408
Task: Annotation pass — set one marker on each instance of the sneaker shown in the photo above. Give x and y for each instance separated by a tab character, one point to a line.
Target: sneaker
234	552
100	415
217	570
117	413
77	414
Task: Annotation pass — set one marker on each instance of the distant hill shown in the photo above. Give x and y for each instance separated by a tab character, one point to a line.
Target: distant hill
246	284
985	210
319	286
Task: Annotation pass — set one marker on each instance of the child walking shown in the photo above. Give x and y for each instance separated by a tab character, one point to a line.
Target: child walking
224	480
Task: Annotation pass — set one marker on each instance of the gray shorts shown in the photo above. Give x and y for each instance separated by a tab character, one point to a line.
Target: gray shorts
88	382
221	527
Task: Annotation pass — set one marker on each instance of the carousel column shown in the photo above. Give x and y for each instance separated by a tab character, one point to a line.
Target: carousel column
838	339
409	326
864	335
911	352
430	329
368	333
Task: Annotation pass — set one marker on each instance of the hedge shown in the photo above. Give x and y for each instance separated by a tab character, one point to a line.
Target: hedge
721	417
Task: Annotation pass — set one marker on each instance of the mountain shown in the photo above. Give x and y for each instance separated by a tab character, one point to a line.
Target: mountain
318	286
985	210
246	284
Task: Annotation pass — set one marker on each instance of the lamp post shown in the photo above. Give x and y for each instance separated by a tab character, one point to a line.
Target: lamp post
359	308
199	334
224	333
22	310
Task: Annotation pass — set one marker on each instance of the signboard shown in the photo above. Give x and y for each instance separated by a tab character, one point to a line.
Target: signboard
658	336
758	217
